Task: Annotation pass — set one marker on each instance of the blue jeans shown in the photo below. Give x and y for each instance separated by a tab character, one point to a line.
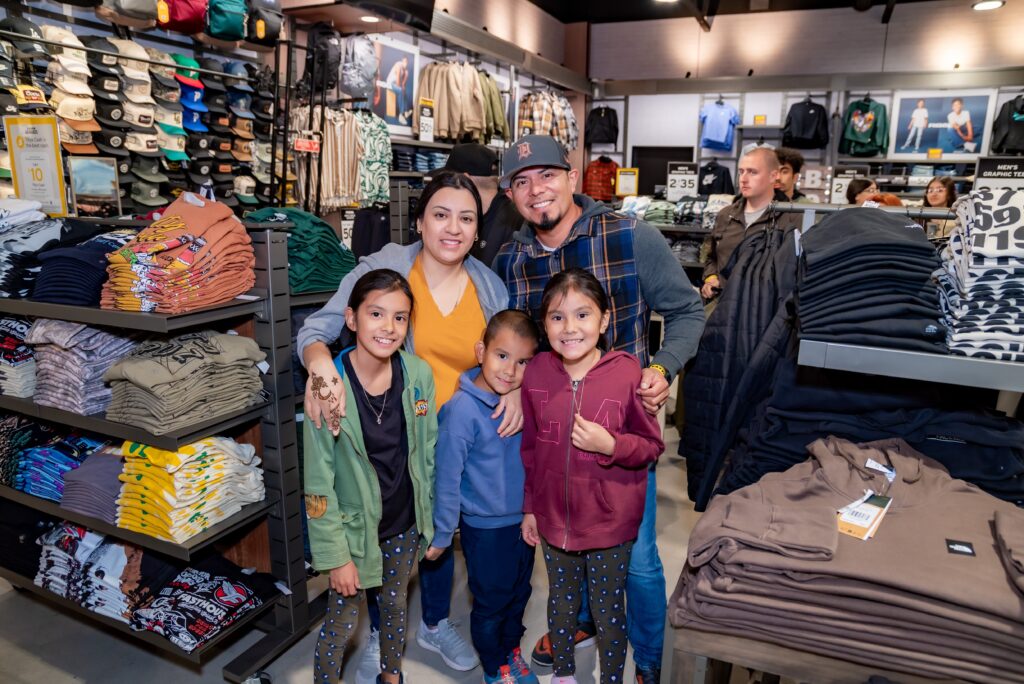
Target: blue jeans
646	605
436	580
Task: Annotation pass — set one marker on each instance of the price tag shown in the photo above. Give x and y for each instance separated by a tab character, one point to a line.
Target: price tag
841	178
348	223
627	182
426	131
37	169
999	172
760	119
307	142
935	153
682	181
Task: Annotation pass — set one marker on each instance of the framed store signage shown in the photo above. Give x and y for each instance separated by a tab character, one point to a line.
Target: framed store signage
999	172
94	187
393	96
37	170
951	125
627	182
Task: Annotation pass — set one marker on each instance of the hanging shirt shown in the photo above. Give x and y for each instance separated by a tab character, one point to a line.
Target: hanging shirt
445	342
718	122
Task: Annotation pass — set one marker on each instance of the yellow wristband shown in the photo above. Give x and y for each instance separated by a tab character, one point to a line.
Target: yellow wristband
661	369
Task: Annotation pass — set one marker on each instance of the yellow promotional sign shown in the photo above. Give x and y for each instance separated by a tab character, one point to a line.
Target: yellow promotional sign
627	182
37	169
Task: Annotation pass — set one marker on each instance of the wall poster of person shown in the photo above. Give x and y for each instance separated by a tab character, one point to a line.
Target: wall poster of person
94	187
395	83
958	122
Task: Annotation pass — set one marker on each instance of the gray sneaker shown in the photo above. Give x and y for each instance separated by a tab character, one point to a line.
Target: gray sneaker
447	642
369	662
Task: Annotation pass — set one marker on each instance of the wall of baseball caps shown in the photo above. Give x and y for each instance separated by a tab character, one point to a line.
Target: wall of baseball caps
175	113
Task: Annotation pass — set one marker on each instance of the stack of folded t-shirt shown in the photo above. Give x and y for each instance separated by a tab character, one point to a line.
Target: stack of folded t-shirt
66	548
982	276
75	274
164	385
404	158
71	359
660	211
204	600
317	260
935	590
93	487
175	495
18	432
17	364
866	279
22	234
41	469
196	254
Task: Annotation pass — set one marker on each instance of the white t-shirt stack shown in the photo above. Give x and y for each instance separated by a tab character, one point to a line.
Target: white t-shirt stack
175	495
982	279
23	231
17	363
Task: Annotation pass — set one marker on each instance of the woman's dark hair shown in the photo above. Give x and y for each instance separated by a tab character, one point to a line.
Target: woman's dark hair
448	179
857	186
946	182
583	282
379	280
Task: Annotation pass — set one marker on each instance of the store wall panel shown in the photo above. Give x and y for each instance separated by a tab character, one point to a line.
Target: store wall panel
768	104
517	21
934	36
666	48
663	121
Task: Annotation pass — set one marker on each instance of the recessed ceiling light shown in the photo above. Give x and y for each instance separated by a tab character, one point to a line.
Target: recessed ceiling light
666	2
370	19
988	5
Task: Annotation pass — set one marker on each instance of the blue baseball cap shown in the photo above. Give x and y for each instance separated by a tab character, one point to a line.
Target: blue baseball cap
240	105
193	122
192	98
241	83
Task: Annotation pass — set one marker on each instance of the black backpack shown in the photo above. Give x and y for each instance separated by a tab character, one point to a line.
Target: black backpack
324	54
265	21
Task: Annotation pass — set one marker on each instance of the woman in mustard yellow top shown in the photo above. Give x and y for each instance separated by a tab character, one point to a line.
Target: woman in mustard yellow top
454	295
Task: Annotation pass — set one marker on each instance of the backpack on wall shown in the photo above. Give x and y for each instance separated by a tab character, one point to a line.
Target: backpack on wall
324	55
186	16
265	22
359	66
225	19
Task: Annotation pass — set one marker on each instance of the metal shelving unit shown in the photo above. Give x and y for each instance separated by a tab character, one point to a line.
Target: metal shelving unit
311	298
413	142
910	365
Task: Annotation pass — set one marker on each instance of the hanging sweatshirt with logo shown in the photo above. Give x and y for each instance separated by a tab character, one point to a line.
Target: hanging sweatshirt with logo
865	129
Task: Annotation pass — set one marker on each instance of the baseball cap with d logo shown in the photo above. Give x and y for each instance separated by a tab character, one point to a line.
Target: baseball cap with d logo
530	151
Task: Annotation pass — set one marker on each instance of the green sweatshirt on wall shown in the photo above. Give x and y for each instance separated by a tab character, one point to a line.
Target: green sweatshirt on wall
342	493
865	129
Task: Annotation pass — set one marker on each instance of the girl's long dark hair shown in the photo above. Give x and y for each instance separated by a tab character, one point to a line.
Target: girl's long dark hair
582	281
946	182
379	280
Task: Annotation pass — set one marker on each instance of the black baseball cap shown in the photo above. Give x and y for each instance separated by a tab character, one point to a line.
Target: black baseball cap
199	171
28	45
111	114
200	146
215	83
107	63
473	159
217	102
531	151
110	141
124	171
219	123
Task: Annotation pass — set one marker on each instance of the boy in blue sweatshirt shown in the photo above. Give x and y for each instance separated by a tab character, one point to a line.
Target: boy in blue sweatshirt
480	476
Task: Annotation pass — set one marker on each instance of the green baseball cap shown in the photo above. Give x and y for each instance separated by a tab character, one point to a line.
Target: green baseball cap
186	72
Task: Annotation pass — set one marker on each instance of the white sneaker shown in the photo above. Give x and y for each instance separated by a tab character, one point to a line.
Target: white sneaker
444	640
369	662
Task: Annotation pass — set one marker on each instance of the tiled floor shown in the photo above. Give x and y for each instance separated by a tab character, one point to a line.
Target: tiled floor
41	644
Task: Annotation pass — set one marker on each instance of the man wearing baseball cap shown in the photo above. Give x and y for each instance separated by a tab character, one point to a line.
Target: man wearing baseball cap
480	164
634	264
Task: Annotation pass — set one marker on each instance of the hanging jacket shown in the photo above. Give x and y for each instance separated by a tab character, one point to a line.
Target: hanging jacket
806	126
342	492
602	127
1008	128
865	129
583	500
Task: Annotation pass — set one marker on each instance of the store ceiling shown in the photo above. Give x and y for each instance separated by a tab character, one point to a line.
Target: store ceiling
600	11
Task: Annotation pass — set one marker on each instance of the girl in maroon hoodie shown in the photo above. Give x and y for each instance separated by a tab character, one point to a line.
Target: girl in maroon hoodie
587	443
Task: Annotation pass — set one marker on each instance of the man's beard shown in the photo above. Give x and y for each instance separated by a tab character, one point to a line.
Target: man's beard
546	223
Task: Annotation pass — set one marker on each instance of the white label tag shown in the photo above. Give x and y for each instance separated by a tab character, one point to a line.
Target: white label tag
889	473
263	366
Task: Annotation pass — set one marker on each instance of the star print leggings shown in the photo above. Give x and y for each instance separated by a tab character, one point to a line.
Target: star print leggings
603	573
399	554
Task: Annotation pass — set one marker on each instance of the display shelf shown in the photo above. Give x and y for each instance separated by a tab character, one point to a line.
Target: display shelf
172	440
185	551
910	365
311	298
197	656
406	174
249	304
760	127
680	229
691	264
413	142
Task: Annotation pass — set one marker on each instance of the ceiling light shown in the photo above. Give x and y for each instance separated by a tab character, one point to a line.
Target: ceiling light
666	2
988	5
370	19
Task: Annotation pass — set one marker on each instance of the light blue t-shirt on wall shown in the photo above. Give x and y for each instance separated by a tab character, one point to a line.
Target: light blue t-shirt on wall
718	123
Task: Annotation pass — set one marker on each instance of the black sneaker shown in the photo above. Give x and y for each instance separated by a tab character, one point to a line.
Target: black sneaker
586	635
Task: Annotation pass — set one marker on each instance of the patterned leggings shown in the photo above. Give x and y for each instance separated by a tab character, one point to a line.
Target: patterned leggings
400	554
603	572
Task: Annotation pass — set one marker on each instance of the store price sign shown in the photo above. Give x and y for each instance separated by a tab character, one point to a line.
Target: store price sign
999	172
682	181
841	177
426	132
37	170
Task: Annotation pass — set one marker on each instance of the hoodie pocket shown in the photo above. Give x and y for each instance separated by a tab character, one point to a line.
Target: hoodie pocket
355	530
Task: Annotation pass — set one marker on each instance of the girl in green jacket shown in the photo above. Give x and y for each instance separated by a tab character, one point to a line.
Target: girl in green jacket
369	491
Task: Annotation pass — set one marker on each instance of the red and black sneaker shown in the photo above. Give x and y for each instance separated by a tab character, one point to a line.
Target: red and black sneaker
586	635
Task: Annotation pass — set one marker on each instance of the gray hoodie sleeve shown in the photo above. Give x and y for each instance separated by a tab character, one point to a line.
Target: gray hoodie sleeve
326	324
668	291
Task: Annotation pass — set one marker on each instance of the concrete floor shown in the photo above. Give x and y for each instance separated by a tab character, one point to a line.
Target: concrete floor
40	643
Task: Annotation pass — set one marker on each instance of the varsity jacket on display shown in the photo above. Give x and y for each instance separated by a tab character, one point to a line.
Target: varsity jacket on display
636	268
584	500
327	323
342	493
730	230
479	474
